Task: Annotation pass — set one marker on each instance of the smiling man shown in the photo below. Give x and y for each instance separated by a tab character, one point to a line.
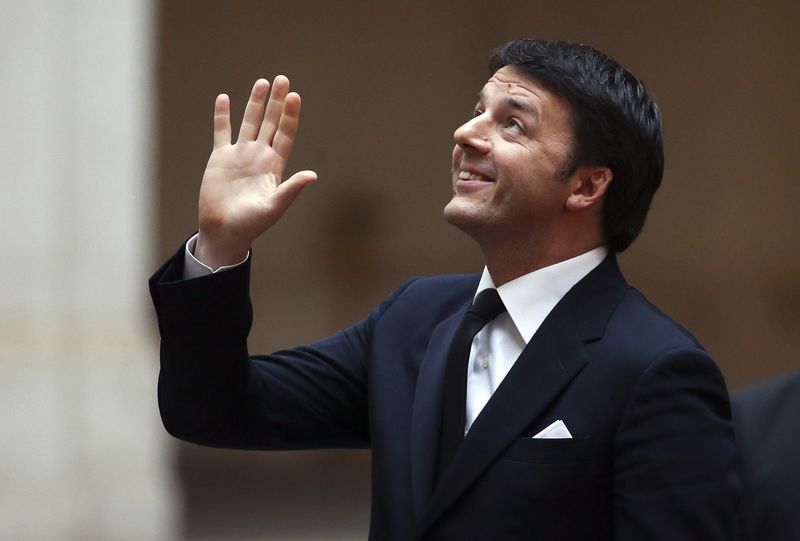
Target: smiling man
512	193
543	399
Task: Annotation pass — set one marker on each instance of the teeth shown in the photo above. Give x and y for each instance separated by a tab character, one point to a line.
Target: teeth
466	175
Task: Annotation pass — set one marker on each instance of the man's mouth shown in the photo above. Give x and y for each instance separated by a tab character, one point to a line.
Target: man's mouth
468	175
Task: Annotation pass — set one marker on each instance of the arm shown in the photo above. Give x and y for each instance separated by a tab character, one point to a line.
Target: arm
210	390
675	473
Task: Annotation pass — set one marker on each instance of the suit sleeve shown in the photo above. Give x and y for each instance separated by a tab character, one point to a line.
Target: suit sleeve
212	392
675	467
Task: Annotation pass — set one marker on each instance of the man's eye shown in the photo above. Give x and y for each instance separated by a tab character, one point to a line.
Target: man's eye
477	113
514	124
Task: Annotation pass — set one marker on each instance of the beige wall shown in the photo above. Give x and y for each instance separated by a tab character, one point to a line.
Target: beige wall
384	85
82	452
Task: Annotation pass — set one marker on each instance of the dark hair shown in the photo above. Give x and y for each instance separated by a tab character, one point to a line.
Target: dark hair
615	124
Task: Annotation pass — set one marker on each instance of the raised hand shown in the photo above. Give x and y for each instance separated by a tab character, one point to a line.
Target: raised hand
243	193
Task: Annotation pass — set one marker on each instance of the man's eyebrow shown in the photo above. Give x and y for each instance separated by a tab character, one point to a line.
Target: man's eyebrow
515	104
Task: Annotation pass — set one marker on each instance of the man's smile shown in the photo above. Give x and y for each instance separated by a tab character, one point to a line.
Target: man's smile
468	175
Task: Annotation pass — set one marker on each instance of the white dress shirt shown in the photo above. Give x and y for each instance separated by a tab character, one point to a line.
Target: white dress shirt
528	300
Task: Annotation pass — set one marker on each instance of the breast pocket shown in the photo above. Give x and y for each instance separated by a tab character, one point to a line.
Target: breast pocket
549	451
549	472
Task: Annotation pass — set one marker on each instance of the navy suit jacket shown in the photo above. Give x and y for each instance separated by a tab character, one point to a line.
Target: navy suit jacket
652	455
767	420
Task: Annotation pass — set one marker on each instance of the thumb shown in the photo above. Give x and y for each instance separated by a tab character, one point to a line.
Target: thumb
289	189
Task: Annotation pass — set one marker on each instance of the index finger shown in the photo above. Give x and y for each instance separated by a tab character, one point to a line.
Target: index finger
222	121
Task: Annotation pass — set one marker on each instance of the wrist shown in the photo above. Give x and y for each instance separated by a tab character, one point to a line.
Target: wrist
216	253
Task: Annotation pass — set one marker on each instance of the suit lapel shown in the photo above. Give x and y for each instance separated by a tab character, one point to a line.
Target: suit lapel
544	368
426	417
553	357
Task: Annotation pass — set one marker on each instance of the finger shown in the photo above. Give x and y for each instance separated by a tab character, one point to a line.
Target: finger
287	129
254	111
289	189
272	117
222	121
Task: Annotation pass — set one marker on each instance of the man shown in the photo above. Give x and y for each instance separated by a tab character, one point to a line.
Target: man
559	405
767	420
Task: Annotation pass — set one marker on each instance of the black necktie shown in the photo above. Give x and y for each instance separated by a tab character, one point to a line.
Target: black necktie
486	307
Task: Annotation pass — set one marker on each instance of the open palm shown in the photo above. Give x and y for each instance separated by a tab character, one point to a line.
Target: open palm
243	193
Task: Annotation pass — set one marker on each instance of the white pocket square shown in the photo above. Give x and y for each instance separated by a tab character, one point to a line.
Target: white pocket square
557	430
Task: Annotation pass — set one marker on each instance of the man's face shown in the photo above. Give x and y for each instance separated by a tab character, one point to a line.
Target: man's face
507	160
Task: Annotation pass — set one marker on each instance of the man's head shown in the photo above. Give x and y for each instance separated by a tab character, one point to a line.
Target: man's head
613	133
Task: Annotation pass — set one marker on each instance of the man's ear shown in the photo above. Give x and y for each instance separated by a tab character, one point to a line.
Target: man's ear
590	184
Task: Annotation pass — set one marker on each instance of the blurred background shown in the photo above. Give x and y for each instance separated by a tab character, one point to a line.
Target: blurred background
106	128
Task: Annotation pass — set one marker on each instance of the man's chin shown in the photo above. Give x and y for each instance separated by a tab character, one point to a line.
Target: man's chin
463	216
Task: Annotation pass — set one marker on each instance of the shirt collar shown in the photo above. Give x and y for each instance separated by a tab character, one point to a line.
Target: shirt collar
532	296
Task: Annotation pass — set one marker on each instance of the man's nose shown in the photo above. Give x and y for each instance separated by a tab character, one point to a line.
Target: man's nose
471	136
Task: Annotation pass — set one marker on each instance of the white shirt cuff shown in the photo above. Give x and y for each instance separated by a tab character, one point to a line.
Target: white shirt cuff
194	268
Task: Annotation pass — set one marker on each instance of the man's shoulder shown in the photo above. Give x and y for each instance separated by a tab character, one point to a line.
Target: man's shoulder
644	317
766	414
441	288
784	384
606	305
639	336
443	283
432	295
769	399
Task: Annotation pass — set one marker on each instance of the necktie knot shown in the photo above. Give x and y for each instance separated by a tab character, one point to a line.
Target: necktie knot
488	305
